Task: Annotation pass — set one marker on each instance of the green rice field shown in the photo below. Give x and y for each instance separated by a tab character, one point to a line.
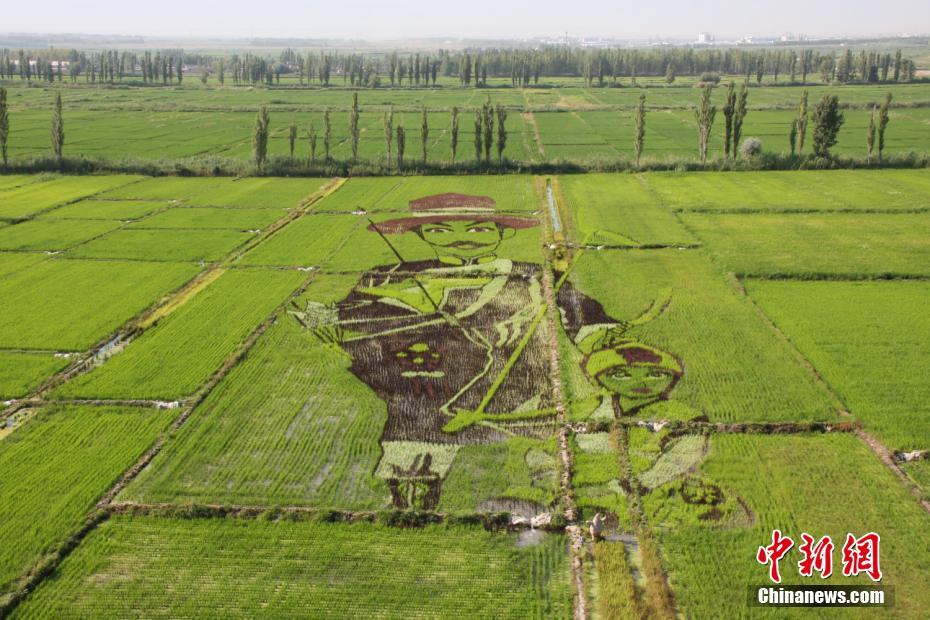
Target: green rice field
411	396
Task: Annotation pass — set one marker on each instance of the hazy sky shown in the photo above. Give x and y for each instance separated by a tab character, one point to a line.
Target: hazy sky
467	18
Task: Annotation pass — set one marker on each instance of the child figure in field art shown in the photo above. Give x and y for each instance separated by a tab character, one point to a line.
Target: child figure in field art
456	345
636	381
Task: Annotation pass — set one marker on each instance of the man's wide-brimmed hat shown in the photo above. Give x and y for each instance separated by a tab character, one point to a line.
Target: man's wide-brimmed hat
451	207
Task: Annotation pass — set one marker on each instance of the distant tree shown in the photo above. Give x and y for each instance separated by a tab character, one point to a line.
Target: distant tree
739	115
800	122
401	146
180	70
327	135
501	133
4	125
897	65
454	131
870	137
883	123
203	76
292	137
639	132
827	122
388	132
670	73
424	133
260	136
478	143
729	109
354	127
704	115
221	72
826	69
793	137
311	142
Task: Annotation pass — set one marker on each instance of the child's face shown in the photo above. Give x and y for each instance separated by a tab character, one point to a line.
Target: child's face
636	382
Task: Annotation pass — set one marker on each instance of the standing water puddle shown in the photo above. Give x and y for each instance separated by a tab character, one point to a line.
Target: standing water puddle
553	211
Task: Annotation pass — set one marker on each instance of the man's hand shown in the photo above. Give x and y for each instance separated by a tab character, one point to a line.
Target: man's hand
321	319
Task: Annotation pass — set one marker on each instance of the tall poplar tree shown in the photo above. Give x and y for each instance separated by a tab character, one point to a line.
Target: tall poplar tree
388	133
639	122
729	109
58	128
260	136
739	116
353	126
827	122
801	122
424	133
883	123
4	125
327	135
704	115
501	133
454	131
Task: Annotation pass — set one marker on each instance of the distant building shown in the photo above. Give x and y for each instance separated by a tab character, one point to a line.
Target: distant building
705	38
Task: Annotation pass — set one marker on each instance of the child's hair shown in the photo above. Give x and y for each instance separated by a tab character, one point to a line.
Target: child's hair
631	353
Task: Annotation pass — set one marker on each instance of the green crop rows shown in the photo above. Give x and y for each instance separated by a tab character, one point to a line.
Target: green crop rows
60	462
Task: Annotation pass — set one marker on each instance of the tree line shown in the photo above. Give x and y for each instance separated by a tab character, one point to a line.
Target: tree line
601	67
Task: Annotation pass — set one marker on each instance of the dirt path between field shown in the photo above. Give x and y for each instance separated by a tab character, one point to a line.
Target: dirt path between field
530	119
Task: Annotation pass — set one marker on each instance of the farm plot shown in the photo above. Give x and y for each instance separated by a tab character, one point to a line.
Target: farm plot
163	245
258	193
820	484
813	190
26	200
231	568
12	181
288	426
55	466
174	358
721	358
71	305
871	343
104	210
616	210
53	234
11	262
304	243
212	217
809	245
166	188
20	372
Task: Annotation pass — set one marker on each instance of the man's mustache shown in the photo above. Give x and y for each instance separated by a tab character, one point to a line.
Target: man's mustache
467	245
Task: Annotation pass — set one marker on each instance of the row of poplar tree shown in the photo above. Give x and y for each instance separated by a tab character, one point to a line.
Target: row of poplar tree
826	117
489	133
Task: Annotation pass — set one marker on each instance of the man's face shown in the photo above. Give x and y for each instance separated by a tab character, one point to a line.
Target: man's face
636	382
462	240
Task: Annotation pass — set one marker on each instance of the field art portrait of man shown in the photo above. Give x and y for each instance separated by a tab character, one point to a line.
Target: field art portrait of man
457	346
